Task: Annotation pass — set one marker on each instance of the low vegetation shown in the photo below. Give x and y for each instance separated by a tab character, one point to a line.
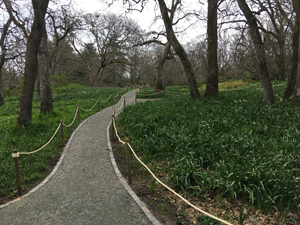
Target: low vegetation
231	144
40	130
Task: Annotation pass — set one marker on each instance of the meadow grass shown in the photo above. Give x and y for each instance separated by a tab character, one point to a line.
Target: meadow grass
231	143
40	130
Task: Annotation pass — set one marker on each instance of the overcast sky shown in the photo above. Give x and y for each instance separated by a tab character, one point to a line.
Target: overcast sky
145	19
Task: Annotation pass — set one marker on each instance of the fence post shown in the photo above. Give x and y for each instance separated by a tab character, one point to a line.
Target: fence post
144	93
98	105
62	133
78	114
127	88
135	98
112	128
15	155
124	101
128	161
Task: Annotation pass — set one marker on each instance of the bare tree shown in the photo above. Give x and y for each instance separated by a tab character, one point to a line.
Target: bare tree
294	61
31	61
2	56
260	52
167	15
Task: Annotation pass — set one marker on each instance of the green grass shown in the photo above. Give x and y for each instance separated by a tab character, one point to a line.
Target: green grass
232	144
148	93
40	130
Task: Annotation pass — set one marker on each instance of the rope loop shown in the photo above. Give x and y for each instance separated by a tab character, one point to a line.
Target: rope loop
73	119
28	153
87	110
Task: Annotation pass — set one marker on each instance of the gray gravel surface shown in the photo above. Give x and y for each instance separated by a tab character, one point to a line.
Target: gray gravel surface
84	189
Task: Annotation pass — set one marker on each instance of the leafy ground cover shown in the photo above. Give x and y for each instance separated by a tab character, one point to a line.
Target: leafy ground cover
40	130
231	144
149	93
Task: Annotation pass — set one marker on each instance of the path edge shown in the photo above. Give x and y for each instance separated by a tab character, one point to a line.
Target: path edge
140	203
57	165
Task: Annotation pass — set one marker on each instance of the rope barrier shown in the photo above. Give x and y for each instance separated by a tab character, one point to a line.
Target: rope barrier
28	153
117	94
131	99
121	106
106	100
186	201
120	140
87	110
154	93
73	119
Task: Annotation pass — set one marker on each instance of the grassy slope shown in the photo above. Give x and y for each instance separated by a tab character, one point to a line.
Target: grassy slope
232	143
40	130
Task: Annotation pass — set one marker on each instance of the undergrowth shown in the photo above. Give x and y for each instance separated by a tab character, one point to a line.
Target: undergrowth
231	143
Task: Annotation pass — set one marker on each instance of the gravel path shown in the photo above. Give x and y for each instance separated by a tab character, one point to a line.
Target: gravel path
84	189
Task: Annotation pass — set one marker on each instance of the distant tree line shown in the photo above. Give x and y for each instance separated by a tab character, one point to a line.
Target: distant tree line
42	46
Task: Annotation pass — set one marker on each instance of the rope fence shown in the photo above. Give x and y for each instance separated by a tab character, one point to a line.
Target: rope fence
73	119
115	133
61	125
87	110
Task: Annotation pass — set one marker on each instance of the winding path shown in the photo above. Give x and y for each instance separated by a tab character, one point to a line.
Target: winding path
84	187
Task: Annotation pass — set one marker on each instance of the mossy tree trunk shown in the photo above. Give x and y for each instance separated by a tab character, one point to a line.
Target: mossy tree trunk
160	60
46	104
294	62
189	72
260	53
212	87
31	61
2	57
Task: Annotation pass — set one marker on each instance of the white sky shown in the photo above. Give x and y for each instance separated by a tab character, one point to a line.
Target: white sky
145	19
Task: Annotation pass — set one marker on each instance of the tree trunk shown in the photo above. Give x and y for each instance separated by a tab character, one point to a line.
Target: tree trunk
260	53
194	92
2	57
46	104
1	92
212	87
31	61
160	60
297	87
281	66
294	66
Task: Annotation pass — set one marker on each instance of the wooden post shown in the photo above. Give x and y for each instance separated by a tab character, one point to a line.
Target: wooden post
112	128
124	101
135	98
98	105
62	133
144	93
128	162
127	88
17	169
78	113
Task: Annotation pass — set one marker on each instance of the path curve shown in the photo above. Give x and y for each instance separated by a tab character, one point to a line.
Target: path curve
83	188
